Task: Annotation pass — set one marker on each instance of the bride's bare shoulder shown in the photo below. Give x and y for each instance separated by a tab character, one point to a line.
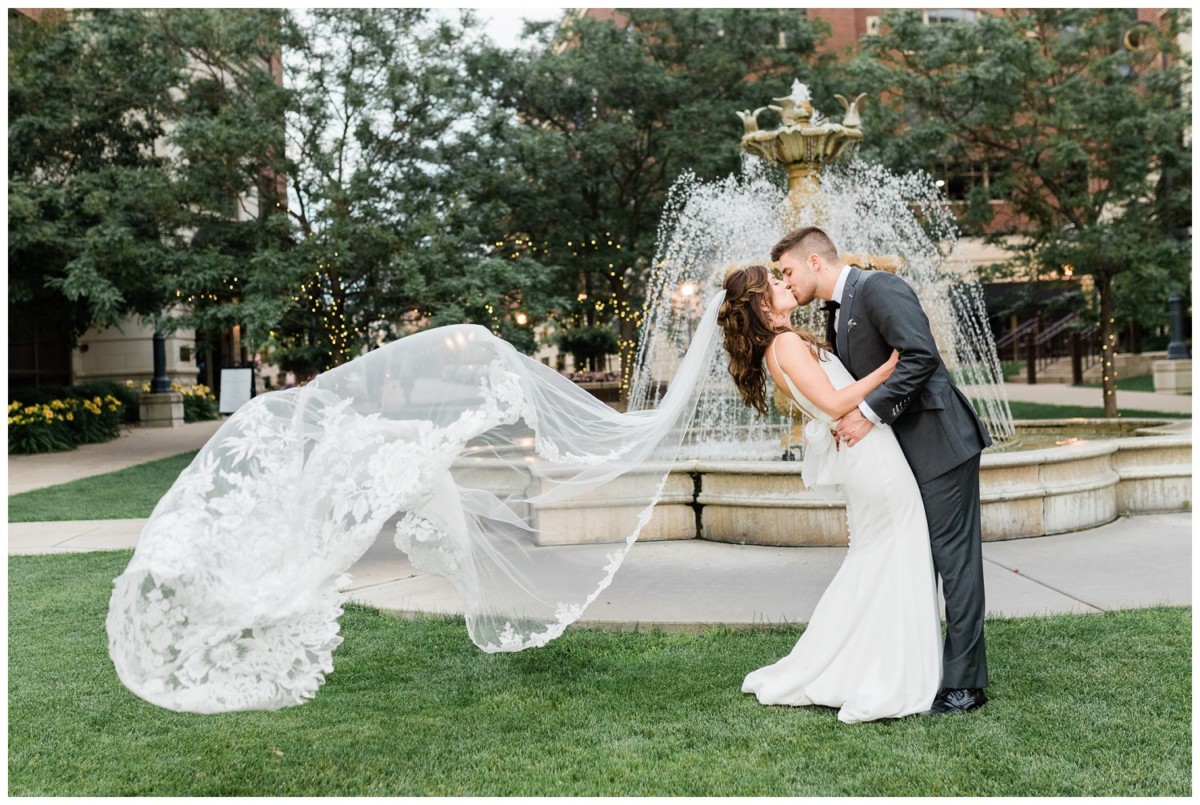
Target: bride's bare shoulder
790	345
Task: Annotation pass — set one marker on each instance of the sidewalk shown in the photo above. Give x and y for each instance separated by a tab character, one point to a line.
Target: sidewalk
135	445
1062	394
680	584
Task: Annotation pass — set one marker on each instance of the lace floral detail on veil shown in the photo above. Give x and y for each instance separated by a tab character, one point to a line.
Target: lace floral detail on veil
232	598
548	450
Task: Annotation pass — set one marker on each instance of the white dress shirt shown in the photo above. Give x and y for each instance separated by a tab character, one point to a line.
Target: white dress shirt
838	289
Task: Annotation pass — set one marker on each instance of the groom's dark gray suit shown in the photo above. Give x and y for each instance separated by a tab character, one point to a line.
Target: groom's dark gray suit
941	437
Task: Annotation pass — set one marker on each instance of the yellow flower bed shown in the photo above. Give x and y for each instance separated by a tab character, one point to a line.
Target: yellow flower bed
62	424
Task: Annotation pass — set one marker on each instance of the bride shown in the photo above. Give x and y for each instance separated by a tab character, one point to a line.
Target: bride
873	645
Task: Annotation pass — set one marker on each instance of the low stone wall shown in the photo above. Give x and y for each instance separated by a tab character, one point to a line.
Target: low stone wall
1173	377
1027	493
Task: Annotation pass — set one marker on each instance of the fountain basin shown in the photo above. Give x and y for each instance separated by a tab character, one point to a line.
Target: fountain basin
1023	493
1110	469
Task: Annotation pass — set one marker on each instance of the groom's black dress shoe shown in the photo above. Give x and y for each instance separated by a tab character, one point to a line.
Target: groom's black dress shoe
957	700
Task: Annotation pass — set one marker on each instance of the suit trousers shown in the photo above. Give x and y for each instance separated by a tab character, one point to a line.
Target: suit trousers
955	535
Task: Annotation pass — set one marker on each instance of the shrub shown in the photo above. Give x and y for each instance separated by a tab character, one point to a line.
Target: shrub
97	419
588	345
42	428
127	396
62	424
199	403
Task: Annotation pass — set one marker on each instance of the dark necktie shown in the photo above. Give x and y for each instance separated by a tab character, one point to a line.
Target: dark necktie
830	329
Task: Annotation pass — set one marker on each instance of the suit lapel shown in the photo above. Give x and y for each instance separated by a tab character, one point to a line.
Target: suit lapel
847	313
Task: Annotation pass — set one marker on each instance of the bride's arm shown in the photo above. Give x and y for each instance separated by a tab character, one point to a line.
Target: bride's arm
802	367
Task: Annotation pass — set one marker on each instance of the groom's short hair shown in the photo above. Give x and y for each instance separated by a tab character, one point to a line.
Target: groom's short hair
809	239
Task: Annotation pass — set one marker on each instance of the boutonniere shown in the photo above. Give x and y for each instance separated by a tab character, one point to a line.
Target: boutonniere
850	325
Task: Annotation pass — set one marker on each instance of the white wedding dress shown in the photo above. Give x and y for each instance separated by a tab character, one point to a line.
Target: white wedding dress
873	647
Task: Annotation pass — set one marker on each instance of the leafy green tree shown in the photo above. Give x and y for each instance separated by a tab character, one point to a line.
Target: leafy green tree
379	146
146	147
1092	134
90	202
608	116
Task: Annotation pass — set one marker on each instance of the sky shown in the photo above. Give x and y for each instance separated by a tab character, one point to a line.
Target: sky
503	25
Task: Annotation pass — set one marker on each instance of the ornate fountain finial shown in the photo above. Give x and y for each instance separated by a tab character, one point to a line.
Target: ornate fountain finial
750	119
795	108
851	120
805	140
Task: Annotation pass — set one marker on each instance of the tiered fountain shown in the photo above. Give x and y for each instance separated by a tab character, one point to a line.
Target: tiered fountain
879	221
742	491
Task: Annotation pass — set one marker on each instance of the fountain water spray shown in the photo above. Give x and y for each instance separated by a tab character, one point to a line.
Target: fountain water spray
877	219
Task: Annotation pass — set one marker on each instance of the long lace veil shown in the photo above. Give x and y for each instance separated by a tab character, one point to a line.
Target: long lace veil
485	466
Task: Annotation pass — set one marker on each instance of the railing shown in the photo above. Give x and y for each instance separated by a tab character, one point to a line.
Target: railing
1016	339
1053	342
1040	346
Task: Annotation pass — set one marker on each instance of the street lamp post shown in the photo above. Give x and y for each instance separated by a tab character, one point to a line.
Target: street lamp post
160	383
1177	349
160	407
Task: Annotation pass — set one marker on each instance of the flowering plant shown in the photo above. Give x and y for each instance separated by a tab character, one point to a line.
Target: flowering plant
61	424
199	403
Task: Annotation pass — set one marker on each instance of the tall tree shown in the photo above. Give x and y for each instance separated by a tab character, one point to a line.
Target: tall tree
1092	135
90	198
609	115
137	140
227	150
375	143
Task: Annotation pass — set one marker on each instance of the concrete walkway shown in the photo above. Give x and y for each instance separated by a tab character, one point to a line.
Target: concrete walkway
1132	562
135	445
1062	394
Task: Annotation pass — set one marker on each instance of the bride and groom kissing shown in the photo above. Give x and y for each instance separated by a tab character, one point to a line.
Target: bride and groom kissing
456	445
890	427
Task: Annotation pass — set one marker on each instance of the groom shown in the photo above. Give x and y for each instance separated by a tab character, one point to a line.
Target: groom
870	314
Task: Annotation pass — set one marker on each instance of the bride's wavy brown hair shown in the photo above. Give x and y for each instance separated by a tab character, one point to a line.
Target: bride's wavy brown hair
748	331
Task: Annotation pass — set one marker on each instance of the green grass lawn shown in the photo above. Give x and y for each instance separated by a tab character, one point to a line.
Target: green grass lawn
1031	410
1081	705
1134	383
127	493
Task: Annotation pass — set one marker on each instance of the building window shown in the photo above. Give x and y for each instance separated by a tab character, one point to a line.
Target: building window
958	179
943	16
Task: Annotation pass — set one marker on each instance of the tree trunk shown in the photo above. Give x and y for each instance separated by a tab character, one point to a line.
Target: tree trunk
1108	344
628	355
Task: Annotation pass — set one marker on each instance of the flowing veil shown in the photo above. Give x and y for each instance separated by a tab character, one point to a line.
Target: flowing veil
480	460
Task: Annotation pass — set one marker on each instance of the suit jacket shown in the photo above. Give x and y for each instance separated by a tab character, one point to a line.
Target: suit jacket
934	422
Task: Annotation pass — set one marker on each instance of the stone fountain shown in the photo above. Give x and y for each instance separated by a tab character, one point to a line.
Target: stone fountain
731	485
739	489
